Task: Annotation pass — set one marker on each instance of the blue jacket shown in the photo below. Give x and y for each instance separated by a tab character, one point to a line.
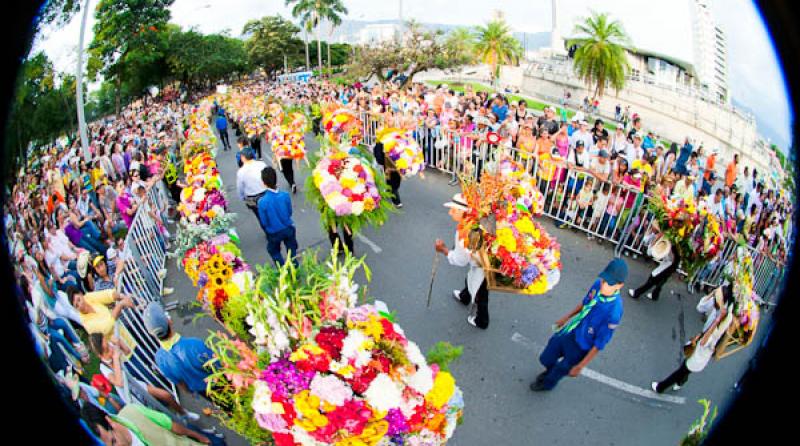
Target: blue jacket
275	211
597	328
222	123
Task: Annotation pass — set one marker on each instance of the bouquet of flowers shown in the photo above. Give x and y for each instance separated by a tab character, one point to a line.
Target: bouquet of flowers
275	113
202	199
524	189
342	126
340	374
740	274
694	232
402	149
348	190
287	142
518	254
199	136
298	122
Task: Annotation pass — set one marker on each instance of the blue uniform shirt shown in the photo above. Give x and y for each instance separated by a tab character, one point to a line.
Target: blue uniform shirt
184	363
500	112
596	329
275	211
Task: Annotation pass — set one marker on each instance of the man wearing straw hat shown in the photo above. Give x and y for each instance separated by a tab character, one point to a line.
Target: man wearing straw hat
476	292
667	255
585	330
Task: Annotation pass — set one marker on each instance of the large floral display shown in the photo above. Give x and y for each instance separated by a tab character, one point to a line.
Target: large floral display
694	231
304	359
517	253
746	311
402	149
342	126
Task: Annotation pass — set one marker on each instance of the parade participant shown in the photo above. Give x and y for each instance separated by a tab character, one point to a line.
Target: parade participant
668	259
585	330
249	184
275	217
476	292
393	178
222	128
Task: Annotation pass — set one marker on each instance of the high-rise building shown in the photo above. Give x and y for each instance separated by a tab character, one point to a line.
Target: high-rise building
710	52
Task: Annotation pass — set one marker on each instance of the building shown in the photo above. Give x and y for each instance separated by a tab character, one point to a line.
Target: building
710	52
655	68
377	33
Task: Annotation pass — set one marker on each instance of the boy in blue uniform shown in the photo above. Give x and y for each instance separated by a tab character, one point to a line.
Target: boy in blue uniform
586	330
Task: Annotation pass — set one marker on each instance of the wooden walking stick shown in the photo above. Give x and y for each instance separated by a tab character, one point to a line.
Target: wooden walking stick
433	276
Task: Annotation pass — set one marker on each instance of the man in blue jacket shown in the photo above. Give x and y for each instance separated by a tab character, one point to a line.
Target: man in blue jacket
222	128
586	330
275	216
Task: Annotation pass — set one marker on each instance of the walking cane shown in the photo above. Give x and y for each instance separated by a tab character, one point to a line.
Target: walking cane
433	276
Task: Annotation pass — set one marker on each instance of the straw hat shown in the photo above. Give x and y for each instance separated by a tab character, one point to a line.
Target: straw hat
661	248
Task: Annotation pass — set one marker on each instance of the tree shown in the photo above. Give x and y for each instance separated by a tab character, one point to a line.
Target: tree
269	39
126	37
496	46
311	14
338	53
600	53
419	51
461	43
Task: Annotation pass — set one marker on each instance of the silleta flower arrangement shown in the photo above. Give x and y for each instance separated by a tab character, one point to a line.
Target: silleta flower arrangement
342	375
517	253
746	310
523	186
248	110
402	149
202	199
342	126
287	143
298	121
199	138
347	189
694	231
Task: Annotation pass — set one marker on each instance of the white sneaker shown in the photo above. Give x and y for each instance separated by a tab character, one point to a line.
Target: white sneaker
650	296
167	291
630	293
471	320
676	387
457	296
654	386
192	416
162	273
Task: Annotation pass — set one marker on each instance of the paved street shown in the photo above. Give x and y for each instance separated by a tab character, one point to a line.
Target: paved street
608	407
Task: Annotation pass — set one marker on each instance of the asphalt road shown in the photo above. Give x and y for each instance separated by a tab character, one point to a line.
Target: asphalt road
611	407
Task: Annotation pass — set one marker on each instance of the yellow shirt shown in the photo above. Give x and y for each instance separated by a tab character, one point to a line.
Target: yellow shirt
100	321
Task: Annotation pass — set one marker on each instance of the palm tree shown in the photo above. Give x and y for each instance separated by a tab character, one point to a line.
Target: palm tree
600	55
312	12
496	46
460	42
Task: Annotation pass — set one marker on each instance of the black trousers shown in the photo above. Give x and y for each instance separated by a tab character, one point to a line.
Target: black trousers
333	236
678	377
256	143
481	303
656	282
394	179
223	136
287	167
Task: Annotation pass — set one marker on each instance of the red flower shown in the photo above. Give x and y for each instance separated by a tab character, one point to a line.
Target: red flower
283	439
362	379
390	334
330	339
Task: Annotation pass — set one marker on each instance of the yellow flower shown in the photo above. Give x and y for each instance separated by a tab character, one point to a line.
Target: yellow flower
303	353
443	387
505	238
525	226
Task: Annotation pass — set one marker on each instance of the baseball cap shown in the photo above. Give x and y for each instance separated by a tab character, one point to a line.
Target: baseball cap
616	272
156	320
457	202
603	154
83	263
578	143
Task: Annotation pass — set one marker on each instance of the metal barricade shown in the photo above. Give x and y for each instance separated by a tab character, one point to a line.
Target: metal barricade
145	255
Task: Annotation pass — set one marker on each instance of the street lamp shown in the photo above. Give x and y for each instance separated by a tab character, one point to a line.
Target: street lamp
79	87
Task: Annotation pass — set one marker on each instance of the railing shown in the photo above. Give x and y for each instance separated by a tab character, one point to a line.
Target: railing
623	219
144	254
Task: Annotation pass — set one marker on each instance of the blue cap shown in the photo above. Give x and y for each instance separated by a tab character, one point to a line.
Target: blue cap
156	320
616	272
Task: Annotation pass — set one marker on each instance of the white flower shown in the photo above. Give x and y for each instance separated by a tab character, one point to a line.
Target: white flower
354	347
422	380
359	188
198	195
262	398
331	389
415	355
358	208
383	393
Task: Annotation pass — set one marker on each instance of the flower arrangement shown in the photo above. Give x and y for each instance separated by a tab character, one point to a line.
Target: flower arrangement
740	274
202	199
298	121
694	231
287	142
342	126
524	189
402	149
199	136
342	375
517	253
348	190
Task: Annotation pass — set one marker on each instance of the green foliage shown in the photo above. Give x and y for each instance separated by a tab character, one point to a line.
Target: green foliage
269	39
699	430
496	46
234	313
443	353
600	56
460	44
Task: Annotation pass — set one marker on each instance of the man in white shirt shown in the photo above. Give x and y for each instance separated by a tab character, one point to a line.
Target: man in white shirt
619	142
601	167
635	152
582	134
248	180
715	206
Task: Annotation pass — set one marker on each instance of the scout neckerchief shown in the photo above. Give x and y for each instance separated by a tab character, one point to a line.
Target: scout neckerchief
169	343
594	297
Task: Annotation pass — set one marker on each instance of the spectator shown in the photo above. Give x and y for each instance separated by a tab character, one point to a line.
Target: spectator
96	317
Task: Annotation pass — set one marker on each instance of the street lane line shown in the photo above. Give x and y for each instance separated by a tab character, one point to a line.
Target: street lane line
369	243
604	379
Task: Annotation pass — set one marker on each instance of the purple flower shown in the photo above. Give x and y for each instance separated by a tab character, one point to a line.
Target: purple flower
284	379
329	186
530	274
202	279
397	422
343	209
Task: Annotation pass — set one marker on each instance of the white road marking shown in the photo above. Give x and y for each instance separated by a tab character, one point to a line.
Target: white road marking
369	243
604	379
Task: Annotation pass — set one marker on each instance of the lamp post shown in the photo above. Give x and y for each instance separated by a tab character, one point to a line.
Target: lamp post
79	87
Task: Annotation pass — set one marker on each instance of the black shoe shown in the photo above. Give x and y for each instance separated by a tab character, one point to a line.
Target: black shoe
540	377
538	387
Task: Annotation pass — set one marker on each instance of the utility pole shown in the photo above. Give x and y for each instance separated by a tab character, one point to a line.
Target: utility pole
400	21
79	87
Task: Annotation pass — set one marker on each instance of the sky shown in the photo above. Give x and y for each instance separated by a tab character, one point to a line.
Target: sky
664	26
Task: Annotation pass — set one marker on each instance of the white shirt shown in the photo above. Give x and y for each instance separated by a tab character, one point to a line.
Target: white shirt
248	179
578	159
633	154
461	256
603	169
579	135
